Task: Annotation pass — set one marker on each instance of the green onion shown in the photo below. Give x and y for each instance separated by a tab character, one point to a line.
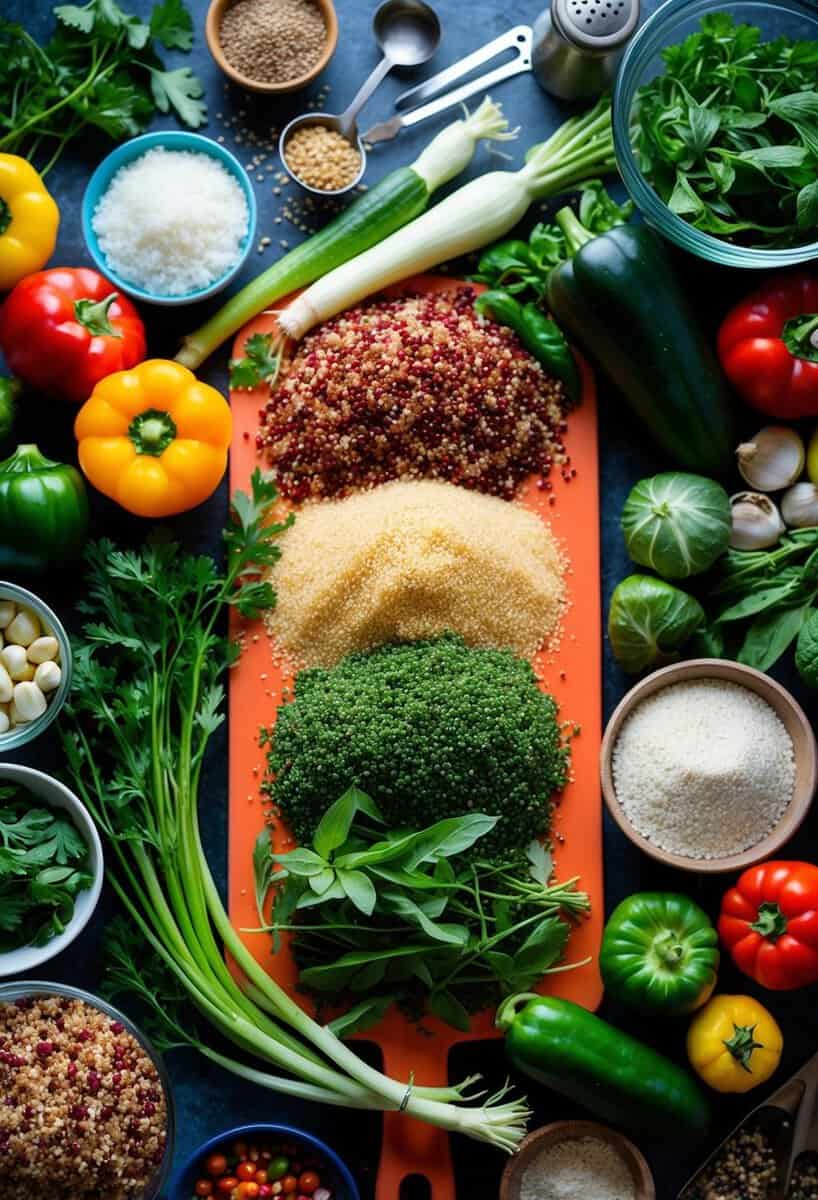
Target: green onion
482	211
395	200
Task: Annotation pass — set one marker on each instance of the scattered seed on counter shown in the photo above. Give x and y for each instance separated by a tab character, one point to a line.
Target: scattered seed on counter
92	1094
322	157
273	41
745	1170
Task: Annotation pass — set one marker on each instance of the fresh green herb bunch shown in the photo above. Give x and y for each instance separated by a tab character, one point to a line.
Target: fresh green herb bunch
428	729
728	136
100	69
44	863
409	916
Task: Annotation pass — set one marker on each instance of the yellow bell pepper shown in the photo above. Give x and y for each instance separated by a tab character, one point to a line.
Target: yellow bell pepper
29	220
154	438
734	1044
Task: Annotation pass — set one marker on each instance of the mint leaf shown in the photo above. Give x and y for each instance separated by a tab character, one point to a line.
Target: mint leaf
171	24
808	206
181	91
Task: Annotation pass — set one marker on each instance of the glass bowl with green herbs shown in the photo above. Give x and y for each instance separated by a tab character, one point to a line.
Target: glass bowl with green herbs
716	128
51	868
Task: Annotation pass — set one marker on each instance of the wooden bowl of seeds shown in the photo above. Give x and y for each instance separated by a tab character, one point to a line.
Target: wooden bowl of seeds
596	1160
272	46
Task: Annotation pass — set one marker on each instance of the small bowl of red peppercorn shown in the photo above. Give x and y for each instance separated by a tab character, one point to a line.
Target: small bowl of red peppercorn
264	1162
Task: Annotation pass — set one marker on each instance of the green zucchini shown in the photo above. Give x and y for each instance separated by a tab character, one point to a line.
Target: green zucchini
619	299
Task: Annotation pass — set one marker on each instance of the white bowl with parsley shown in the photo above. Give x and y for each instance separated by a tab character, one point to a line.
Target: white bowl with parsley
51	868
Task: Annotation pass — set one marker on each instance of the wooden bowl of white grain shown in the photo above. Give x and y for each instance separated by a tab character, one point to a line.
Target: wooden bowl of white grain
542	1142
785	707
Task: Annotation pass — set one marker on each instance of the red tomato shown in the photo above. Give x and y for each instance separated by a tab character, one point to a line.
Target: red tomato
248	1190
204	1187
769	923
308	1182
63	330
246	1170
226	1184
289	1184
260	1175
216	1164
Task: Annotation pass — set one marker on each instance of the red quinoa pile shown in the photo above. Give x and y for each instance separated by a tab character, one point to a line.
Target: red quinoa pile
415	387
82	1109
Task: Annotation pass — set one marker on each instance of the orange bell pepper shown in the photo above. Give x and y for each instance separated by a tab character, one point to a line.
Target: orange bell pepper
154	438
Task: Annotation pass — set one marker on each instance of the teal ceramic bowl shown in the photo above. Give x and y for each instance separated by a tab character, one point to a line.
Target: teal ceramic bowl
171	140
669	25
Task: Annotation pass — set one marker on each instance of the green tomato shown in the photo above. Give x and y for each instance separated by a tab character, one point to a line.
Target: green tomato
649	621
278	1168
676	524
806	650
659	954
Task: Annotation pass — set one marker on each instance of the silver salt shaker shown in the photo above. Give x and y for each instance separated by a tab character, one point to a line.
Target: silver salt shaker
578	45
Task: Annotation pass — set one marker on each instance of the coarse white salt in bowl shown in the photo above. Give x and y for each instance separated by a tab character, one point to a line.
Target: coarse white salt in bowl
704	768
172	221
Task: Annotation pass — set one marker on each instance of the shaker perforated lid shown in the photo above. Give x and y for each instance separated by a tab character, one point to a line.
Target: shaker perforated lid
599	25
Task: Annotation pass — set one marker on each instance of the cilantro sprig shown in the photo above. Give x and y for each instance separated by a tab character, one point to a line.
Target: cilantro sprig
728	136
101	69
44	865
260	363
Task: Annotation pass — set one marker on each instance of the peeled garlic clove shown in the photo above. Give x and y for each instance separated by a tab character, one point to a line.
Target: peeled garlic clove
799	506
29	701
48	677
757	522
24	629
772	460
43	649
14	659
5	723
6	685
8	611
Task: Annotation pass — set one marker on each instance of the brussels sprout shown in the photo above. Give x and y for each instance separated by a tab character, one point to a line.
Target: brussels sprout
677	524
649	621
806	650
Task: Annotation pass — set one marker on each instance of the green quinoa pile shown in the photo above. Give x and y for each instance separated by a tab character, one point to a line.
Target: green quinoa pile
428	729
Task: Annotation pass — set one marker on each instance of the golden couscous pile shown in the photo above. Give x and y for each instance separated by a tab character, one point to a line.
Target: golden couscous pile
408	561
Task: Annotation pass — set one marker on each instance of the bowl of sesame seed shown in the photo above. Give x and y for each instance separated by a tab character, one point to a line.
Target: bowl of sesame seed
272	46
86	1091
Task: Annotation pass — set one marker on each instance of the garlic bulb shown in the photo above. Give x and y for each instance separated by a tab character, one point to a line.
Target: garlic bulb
757	522
772	460
799	506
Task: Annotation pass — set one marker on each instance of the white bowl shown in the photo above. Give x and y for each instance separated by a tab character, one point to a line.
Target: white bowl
55	795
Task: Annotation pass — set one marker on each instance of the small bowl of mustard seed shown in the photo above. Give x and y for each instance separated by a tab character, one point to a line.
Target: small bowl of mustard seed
272	46
319	157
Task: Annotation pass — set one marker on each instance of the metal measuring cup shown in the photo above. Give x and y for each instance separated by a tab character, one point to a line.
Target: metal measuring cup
408	33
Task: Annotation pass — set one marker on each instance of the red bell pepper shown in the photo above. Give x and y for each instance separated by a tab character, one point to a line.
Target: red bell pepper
768	346
769	924
63	330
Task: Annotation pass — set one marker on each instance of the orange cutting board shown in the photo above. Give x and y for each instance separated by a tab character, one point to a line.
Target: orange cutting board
572	674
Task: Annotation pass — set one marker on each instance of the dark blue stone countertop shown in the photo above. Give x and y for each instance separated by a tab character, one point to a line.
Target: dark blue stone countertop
207	1099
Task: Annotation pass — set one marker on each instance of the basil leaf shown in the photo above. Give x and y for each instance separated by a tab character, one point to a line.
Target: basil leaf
770	636
360	889
774	157
301	861
759	601
449	1009
807	206
333	828
362	1017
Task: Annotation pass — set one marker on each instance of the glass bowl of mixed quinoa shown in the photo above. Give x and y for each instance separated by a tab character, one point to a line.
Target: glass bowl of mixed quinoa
87	1110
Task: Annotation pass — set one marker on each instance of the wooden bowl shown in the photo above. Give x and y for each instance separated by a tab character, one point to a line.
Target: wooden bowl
789	712
560	1131
213	24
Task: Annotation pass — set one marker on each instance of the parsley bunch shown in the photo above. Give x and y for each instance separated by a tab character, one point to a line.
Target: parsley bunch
100	69
728	136
44	863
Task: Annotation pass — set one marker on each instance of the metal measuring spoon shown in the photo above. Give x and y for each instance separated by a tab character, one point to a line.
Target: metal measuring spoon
408	33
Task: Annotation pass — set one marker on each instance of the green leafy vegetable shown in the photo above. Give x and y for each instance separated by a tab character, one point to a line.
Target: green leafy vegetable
148	698
260	364
676	524
649	622
44	865
728	136
413	916
99	69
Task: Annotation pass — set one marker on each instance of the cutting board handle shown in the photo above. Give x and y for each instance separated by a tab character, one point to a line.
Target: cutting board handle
411	1147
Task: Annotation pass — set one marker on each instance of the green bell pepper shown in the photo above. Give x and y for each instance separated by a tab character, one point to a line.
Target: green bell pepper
542	337
577	1054
659	954
43	512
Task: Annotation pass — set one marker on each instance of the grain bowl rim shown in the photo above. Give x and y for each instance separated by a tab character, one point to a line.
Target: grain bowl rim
786	708
557	1132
